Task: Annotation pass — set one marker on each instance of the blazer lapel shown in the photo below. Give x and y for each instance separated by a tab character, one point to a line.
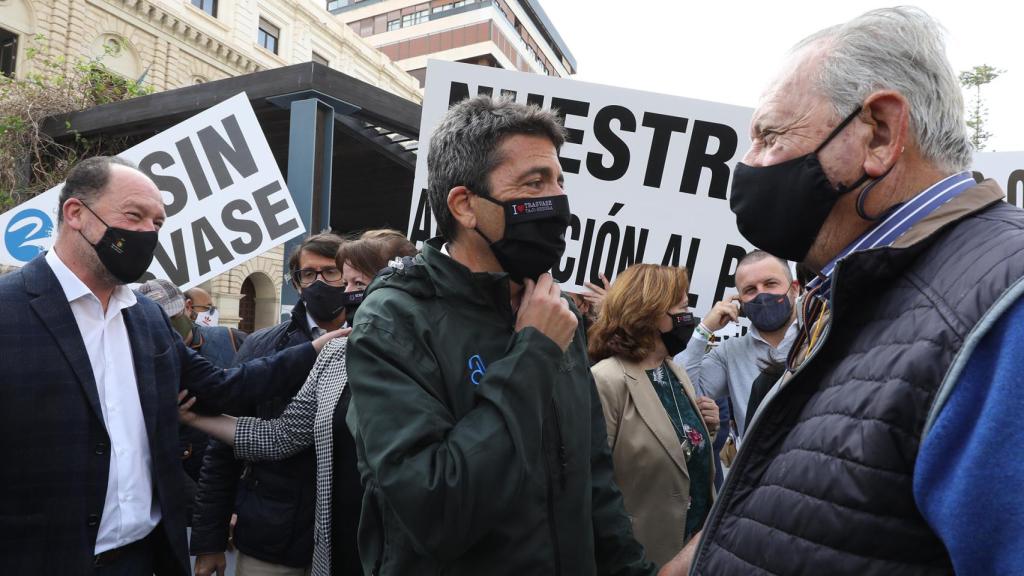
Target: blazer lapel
142	355
653	413
52	307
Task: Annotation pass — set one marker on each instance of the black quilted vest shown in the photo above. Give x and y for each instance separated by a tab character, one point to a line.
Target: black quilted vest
823	483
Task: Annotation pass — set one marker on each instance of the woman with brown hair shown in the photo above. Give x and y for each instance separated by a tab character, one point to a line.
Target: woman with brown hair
316	416
659	431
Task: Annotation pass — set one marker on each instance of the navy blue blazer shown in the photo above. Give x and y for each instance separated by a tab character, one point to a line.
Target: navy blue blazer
53	471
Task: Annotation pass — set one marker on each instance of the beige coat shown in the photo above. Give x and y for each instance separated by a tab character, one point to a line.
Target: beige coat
650	468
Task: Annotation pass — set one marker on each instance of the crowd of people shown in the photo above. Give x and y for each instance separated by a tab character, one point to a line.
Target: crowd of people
450	410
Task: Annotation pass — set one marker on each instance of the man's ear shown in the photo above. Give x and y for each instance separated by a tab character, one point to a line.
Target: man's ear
72	212
460	205
889	117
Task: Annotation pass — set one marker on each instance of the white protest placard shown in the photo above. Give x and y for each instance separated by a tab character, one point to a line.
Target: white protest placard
224	195
647	175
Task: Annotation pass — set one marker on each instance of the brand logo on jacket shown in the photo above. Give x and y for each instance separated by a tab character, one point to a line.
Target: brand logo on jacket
477	369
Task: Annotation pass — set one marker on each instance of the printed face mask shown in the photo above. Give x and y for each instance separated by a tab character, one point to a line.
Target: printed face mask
678	336
534	237
126	254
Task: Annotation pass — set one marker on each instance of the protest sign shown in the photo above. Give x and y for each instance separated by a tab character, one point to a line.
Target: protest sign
224	195
647	175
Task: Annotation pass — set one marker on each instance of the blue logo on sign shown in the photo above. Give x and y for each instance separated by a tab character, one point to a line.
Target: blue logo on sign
27	234
477	369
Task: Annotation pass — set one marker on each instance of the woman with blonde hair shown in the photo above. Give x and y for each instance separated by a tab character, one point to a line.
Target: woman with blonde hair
660	432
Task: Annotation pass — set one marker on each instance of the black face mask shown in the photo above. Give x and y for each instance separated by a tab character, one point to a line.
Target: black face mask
678	337
126	254
768	312
534	238
352	301
323	301
781	208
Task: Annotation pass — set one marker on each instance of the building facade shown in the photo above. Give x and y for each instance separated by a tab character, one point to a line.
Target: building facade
509	34
175	43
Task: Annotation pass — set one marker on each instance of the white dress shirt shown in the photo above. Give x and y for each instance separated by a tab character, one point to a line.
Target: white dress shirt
129	512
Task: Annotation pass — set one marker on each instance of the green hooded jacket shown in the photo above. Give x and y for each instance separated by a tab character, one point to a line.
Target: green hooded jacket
483	451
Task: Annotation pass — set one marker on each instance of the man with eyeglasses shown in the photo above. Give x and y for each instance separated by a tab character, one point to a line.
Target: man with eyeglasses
275	500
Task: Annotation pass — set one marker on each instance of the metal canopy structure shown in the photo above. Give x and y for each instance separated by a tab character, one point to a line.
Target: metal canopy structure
374	133
348	148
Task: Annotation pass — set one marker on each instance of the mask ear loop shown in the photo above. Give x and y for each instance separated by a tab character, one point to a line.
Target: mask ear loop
863	196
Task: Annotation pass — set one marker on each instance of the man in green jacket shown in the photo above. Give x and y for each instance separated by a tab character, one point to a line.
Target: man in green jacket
480	435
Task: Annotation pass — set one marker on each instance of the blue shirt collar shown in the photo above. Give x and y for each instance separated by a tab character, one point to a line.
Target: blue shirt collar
899	221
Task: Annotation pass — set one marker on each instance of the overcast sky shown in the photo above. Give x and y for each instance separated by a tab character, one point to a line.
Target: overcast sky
727	51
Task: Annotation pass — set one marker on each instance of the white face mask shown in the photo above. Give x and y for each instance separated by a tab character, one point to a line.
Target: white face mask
208	318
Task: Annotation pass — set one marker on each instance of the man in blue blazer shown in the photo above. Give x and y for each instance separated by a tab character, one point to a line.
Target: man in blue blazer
90	375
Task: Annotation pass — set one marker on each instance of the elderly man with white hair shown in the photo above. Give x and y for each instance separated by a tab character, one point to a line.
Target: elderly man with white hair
882	451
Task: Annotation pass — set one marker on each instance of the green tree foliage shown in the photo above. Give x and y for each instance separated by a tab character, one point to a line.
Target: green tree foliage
30	160
977	113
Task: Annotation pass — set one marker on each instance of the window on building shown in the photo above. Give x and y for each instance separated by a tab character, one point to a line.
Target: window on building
268	35
8	52
394	25
335	4
320	59
208	6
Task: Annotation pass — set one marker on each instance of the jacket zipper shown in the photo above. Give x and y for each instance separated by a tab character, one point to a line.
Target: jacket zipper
714	515
551	489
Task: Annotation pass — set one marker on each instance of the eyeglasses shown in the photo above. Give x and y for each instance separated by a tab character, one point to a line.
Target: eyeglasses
202	308
307	276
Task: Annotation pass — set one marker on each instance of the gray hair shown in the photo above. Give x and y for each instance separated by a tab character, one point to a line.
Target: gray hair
464	148
901	49
87	178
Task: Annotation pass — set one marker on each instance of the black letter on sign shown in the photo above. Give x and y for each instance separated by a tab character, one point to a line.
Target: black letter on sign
691	263
192	167
588	235
457	92
169	184
177	271
697	157
564	107
664	126
727	275
611	142
422	229
236	224
562	274
208	245
608	233
632	252
1013	184
237	153
270	211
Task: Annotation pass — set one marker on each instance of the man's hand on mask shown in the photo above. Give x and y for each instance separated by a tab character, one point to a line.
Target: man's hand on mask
544	308
722	313
322	341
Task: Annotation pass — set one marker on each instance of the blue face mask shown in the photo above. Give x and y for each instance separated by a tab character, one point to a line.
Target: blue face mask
768	312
